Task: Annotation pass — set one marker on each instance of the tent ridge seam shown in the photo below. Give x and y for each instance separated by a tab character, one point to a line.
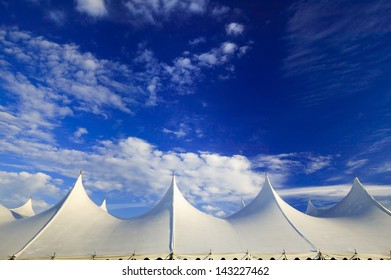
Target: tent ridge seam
293	226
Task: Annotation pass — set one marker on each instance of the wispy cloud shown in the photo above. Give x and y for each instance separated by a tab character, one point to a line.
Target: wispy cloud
306	163
53	73
336	47
50	81
77	136
220	10
180	133
234	29
384	167
379	140
372	157
94	8
57	16
186	70
156	12
354	165
328	195
197	41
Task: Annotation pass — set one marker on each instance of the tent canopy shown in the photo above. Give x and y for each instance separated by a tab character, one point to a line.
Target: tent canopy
266	227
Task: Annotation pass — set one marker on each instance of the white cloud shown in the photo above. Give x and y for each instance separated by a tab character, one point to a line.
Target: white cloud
279	163
94	8
184	62
219	11
57	16
180	133
197	41
383	168
317	163
217	56
49	82
183	74
287	163
65	79
78	134
198	7
234	29
186	128
356	163
339	42
156	12
35	112
55	73
138	168
16	188
152	89
209	59
243	50
229	47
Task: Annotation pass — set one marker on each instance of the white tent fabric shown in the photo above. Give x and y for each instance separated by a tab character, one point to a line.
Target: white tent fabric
312	210
76	228
264	227
103	206
5	215
196	232
358	202
24	211
73	227
357	224
176	227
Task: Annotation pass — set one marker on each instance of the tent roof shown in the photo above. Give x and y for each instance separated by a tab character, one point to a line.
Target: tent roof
265	226
103	205
77	228
357	222
312	210
26	210
357	202
5	215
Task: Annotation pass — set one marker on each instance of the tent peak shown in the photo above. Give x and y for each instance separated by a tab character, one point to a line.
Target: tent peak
313	210
267	183
356	181
173	180
103	206
358	202
26	210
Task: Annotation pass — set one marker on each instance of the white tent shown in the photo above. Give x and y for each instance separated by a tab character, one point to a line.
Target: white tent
24	211
357	202
358	223
265	229
313	210
72	228
175	228
103	206
76	228
5	215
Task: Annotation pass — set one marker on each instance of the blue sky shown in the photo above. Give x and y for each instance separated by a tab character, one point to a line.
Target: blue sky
218	92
